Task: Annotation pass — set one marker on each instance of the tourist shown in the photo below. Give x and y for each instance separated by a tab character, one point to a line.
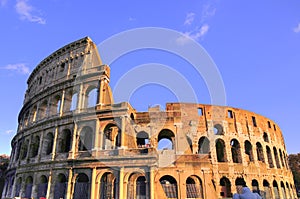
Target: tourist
243	192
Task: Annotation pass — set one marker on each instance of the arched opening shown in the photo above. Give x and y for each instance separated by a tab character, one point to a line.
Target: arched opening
136	187
218	129
35	144
142	139
236	151
43	110
42	187
260	152
55	105
33	114
74	101
108	186
28	187
65	141
169	185
24	149
86	139
249	151
190	143
288	190
283	191
276	158
267	189
194	187
26	118
18	187
82	187
270	159
166	140
275	189
92	98
225	188
203	145
281	158
48	144
60	187
111	137
221	150
255	186
266	137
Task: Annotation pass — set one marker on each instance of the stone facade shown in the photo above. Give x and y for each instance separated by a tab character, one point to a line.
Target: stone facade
73	141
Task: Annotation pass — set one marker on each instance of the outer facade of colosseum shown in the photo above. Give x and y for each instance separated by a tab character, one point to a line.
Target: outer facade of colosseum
73	141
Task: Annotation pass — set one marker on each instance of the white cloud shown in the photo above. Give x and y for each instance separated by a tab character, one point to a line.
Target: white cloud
26	12
194	35
208	11
9	132
19	68
189	18
297	29
3	2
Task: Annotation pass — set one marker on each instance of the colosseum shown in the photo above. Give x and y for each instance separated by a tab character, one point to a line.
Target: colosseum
74	142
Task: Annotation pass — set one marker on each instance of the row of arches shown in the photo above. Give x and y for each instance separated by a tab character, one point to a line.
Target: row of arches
30	148
59	103
264	188
236	152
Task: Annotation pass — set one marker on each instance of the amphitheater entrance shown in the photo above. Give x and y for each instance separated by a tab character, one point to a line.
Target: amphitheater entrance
225	188
169	185
82	187
108	186
194	187
60	187
136	186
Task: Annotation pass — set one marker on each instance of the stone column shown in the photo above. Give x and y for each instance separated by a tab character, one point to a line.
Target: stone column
62	102
123	120
55	143
69	188
49	185
152	183
121	183
93	183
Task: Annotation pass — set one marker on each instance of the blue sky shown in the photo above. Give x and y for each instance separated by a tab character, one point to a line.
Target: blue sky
255	45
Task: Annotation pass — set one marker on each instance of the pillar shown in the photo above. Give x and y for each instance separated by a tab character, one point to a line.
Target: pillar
93	184
69	188
121	183
152	183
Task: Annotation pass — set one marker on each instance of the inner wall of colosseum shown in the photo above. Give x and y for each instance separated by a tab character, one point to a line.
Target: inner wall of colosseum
73	141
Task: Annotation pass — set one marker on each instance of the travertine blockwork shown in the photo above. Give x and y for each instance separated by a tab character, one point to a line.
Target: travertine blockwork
74	142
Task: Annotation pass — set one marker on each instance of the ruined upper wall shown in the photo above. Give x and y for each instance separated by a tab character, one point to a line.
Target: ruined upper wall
62	65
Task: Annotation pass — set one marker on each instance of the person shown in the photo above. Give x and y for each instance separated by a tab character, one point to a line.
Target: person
243	192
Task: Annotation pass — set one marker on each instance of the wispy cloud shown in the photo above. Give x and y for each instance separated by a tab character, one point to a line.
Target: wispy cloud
8	132
297	29
189	18
19	68
197	34
27	11
208	11
3	2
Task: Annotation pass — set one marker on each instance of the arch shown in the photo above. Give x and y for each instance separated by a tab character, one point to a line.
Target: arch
33	114
275	190
24	149
42	110
92	97
218	129
18	187
283	191
260	152
281	158
60	187
269	155
65	141
82	187
74	101
266	137
249	151
225	187
136	187
48	143
108	186
267	189
221	150
166	140
28	186
34	147
236	151
276	157
26	118
194	187
142	139
55	105
203	145
86	139
169	185
42	187
255	186
111	136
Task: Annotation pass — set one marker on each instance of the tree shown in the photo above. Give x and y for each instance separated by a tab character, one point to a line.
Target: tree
294	163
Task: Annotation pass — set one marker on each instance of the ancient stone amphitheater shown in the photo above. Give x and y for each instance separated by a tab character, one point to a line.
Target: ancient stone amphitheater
73	141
